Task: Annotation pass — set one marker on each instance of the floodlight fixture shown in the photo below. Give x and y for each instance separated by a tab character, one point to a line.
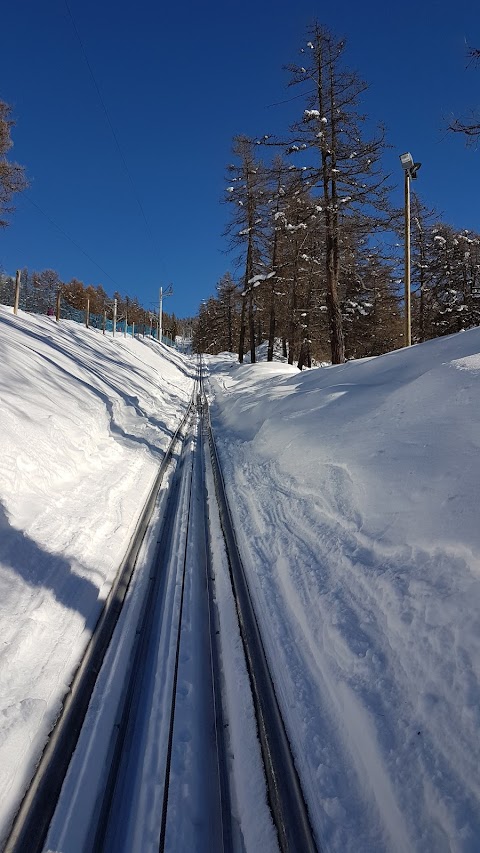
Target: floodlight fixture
406	160
411	168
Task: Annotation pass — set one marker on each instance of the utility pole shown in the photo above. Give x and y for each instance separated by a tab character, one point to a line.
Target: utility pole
161	295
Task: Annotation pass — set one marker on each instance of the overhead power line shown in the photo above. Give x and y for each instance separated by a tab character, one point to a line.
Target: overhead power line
117	143
77	246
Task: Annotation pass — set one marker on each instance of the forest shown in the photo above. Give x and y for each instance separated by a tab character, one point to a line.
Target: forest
319	244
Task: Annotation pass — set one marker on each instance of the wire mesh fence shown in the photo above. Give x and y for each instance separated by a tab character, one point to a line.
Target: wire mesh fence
42	302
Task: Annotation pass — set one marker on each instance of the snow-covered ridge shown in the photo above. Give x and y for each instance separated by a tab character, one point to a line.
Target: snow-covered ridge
84	422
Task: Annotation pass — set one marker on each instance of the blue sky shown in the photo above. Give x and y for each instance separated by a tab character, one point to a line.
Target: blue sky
179	80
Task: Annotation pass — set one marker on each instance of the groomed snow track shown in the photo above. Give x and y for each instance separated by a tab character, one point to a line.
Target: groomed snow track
155	732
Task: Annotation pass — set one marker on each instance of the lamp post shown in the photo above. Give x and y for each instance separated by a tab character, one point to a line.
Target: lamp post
410	170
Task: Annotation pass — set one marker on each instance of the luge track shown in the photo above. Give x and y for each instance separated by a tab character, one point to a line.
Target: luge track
168	768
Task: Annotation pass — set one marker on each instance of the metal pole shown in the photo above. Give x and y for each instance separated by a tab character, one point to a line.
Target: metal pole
114	316
408	310
57	307
160	306
17	292
87	313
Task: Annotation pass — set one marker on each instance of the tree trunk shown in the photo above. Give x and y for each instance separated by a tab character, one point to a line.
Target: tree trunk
301	357
241	342
251	327
272	324
335	325
291	320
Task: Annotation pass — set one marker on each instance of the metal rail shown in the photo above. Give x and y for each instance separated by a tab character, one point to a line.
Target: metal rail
287	804
32	820
184	533
161	628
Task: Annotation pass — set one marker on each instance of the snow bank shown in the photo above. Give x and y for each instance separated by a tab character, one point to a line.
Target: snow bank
356	491
84	422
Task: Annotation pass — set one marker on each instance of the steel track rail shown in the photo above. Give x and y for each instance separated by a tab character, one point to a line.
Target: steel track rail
103	832
30	826
155	592
163	827
214	627
287	804
223	792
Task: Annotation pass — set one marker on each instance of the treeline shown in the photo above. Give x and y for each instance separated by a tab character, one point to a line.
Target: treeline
445	300
318	241
39	292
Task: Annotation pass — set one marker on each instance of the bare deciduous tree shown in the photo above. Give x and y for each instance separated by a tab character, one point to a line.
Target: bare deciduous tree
470	128
347	174
12	176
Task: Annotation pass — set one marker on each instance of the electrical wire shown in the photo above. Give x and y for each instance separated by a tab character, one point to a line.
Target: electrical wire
55	225
117	143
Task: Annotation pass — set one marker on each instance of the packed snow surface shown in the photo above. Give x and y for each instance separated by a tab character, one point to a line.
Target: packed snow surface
355	491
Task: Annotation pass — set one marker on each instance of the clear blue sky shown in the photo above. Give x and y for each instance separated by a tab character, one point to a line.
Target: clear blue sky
179	80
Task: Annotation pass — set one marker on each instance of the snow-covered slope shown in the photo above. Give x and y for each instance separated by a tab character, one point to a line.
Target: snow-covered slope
84	422
356	490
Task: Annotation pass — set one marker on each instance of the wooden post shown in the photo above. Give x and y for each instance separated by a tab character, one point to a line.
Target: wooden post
17	292
87	313
57	306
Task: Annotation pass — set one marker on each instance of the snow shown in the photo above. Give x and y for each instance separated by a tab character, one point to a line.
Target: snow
355	491
84	422
257	279
248	790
